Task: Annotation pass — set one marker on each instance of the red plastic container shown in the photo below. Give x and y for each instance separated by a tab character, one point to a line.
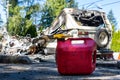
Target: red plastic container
76	56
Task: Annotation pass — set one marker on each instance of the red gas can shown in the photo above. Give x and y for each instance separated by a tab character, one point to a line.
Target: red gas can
76	56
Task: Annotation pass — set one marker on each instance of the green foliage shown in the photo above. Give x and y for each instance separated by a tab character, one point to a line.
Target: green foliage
115	46
14	21
32	31
19	24
32	9
13	2
112	19
14	10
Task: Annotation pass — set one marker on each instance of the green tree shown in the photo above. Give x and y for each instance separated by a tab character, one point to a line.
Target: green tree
115	46
22	23
13	2
31	10
112	19
15	22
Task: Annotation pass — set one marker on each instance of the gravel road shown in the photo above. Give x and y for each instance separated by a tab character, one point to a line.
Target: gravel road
47	70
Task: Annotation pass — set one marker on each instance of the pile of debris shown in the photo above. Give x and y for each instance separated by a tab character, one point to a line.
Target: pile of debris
19	46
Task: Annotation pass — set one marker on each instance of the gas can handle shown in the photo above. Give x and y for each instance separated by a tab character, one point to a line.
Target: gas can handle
78	41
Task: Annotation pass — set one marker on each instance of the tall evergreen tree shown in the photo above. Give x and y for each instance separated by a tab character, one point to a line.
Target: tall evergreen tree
112	19
22	25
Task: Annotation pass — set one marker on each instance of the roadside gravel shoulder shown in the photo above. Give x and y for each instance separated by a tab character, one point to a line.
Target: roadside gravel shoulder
47	70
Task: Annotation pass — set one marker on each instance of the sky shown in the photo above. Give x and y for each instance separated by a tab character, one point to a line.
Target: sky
106	6
2	13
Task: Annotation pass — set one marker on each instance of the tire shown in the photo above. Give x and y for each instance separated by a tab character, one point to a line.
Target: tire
102	38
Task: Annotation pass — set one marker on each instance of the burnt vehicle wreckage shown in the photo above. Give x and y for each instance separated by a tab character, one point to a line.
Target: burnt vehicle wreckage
70	23
84	23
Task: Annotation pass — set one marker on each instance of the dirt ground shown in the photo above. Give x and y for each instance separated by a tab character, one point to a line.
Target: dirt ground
47	70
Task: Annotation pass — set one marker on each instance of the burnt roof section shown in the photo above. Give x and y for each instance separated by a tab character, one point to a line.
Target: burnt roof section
79	11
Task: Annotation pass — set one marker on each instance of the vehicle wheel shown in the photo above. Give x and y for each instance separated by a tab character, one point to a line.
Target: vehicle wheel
102	38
